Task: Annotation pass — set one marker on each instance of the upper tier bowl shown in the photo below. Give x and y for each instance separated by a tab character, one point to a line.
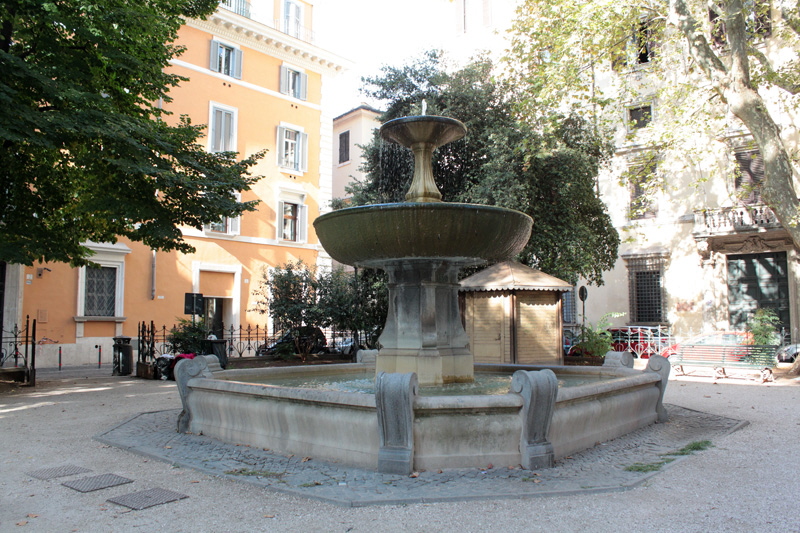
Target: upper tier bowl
375	234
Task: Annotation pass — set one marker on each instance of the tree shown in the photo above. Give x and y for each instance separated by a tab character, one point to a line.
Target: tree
500	162
703	61
87	152
296	295
354	302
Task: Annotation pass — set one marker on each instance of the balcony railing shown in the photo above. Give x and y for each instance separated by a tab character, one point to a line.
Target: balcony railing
294	29
727	220
240	7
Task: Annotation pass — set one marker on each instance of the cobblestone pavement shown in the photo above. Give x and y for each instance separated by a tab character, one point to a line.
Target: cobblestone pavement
605	467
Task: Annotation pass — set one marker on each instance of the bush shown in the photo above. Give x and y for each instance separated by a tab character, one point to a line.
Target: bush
188	337
596	340
764	327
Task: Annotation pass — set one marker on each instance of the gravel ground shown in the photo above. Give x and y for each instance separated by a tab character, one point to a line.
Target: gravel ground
748	481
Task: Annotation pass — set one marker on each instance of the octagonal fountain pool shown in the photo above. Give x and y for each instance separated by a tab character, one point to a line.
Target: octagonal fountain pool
422	244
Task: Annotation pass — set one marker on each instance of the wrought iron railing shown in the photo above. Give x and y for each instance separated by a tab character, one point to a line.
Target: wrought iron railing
18	349
241	341
240	7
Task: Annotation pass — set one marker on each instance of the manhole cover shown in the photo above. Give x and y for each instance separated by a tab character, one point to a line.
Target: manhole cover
104	481
58	471
147	498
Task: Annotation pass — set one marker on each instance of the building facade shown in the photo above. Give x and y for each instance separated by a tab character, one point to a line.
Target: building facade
351	131
257	80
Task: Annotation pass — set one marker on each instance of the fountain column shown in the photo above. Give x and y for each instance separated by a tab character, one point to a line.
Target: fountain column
423	331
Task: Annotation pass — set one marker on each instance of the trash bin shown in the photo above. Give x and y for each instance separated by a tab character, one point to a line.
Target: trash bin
123	356
219	348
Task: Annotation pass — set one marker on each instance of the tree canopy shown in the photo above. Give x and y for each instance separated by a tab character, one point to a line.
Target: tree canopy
87	154
714	68
551	176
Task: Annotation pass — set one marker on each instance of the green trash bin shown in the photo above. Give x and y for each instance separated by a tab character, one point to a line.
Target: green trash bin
123	356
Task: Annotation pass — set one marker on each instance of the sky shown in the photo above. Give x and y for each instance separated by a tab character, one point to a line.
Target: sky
370	34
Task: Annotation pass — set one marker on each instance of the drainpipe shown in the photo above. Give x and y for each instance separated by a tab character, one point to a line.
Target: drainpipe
153	276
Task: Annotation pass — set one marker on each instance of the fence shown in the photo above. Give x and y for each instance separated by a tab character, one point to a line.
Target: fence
18	352
241	341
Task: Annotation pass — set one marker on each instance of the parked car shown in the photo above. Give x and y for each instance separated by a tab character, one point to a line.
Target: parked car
714	338
788	353
641	341
309	336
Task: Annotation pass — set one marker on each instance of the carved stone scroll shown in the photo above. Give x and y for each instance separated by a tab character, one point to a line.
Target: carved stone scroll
539	390
185	370
660	365
394	398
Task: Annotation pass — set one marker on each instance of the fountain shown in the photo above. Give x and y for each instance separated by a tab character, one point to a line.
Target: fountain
422	244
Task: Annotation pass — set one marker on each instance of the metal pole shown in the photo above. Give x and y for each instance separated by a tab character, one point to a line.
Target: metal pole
99	354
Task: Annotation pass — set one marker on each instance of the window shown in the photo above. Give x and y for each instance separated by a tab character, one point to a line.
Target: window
101	290
640	116
639	48
292	149
344	147
643	185
226	225
644	43
749	174
290	212
223	129
226	59
101	284
292	217
645	289
294	82
568	311
292	18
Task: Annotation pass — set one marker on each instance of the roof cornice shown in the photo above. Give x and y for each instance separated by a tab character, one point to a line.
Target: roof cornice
258	36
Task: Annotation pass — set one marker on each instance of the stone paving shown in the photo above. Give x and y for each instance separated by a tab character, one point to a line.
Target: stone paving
603	468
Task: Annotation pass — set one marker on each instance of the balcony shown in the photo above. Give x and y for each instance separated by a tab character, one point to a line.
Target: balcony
733	220
240	7
288	25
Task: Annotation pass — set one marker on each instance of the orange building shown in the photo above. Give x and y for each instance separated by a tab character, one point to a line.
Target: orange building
257	80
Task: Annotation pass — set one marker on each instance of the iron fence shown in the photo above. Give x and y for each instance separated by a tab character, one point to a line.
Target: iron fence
240	341
18	350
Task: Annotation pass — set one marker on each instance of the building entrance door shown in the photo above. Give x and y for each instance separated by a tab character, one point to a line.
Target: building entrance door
757	281
213	316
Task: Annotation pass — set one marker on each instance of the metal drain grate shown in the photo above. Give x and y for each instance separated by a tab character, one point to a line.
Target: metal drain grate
58	471
147	498
103	481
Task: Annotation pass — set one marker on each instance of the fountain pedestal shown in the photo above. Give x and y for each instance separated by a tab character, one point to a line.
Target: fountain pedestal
423	331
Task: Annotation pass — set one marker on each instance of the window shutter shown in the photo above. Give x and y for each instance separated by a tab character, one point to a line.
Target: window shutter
234	223
279	222
749	175
279	151
302	223
214	63
227	132
237	64
284	80
303	87
303	149
215	126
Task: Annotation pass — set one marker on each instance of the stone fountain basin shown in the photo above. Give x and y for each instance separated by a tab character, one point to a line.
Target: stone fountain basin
448	431
371	235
